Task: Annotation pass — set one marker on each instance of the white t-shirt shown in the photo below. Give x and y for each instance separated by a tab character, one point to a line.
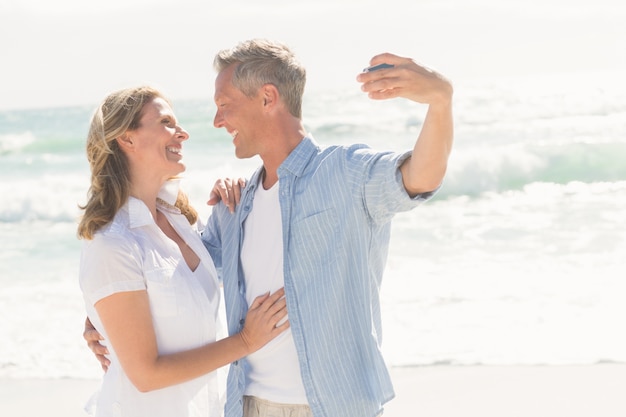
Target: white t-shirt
274	372
133	254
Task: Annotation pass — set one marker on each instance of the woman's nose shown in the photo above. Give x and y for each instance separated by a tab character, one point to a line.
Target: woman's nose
182	133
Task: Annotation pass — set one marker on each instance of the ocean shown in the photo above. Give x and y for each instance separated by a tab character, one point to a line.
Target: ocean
519	259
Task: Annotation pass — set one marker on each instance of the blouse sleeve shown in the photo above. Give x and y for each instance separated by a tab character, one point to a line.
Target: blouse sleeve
108	266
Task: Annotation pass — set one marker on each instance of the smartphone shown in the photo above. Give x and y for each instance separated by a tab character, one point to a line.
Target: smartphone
377	67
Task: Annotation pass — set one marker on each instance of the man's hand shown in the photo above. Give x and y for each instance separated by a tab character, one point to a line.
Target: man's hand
228	190
424	171
93	339
405	79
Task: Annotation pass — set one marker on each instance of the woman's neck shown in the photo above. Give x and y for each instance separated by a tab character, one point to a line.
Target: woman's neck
147	194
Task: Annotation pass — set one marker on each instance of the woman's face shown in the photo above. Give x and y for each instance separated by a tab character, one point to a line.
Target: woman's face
158	140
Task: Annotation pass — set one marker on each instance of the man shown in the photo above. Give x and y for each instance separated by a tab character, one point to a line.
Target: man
316	220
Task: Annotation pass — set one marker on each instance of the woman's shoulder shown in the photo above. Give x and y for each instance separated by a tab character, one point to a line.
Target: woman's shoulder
115	237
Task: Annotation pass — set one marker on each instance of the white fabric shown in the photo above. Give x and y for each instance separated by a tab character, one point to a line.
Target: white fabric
274	372
133	254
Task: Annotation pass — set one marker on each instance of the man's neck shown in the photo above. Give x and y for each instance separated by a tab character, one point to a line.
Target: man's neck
268	181
273	159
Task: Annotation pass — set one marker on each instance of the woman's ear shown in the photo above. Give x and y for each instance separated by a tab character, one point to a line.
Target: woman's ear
125	142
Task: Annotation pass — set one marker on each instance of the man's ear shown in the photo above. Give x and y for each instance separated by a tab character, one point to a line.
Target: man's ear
270	96
125	142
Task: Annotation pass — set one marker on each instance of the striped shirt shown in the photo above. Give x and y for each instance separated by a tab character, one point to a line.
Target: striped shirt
336	206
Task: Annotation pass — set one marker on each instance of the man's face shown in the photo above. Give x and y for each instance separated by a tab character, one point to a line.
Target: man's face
239	114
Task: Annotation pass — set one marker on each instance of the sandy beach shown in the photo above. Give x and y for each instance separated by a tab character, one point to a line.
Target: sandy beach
442	391
534	391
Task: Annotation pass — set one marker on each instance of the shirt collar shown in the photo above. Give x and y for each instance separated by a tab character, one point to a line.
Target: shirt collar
138	213
169	191
295	163
297	160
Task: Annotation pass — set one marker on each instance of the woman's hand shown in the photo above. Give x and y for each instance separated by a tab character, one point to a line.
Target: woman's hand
264	320
227	190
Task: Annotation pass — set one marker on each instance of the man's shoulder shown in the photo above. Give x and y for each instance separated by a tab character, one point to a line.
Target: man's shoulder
339	155
310	146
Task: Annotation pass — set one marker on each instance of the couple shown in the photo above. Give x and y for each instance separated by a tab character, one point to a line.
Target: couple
313	220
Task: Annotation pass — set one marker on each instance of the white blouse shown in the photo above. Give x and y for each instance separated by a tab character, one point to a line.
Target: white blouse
133	254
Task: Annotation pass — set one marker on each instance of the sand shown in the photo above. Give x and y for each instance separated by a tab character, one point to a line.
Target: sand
548	391
441	391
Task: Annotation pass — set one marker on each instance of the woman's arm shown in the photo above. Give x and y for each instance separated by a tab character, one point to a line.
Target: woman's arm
128	322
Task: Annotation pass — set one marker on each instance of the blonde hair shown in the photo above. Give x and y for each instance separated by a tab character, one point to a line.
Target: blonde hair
110	175
261	62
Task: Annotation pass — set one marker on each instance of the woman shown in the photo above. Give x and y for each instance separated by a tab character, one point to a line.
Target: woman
149	285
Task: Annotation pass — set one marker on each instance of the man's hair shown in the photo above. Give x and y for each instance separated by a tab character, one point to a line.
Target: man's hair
261	62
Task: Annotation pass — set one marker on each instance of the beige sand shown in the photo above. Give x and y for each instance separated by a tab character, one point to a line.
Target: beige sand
550	391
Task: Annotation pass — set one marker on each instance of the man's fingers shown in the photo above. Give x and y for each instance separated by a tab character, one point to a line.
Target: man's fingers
91	335
93	339
98	349
104	362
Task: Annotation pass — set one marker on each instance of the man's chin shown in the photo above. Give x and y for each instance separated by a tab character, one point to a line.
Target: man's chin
239	154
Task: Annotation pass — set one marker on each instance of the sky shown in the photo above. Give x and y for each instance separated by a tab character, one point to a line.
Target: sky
74	52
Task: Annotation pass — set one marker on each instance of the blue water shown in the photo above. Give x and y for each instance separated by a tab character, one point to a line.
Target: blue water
518	260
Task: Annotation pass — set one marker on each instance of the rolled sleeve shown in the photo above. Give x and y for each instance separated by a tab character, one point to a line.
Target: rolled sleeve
384	192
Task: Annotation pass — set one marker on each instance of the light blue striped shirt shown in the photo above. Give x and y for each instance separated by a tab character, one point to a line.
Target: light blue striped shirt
336	205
